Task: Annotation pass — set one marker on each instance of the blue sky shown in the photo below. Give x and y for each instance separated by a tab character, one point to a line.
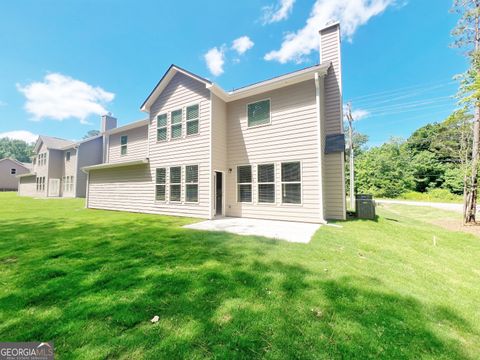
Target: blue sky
62	63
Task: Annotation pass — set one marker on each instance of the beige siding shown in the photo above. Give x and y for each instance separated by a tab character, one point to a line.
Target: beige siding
133	188
291	136
334	182
136	145
219	141
7	180
27	186
89	153
69	169
42	170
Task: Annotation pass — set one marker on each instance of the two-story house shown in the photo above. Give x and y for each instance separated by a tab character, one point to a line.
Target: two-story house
56	167
9	170
271	150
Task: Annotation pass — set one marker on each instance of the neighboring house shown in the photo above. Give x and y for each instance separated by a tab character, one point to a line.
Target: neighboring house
56	167
271	150
9	169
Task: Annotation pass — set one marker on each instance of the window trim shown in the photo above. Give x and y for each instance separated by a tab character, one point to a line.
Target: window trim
270	117
291	182
237	184
161	127
197	183
179	123
274	184
170	184
164	184
187	121
123	145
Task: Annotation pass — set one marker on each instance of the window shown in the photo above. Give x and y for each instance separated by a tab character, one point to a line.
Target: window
266	183
192	119
258	113
13	171
162	127
175	183
291	183
176	120
67	183
67	156
161	178
191	183
244	183
40	183
42	159
123	144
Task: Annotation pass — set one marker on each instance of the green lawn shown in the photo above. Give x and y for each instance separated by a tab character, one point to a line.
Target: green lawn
92	280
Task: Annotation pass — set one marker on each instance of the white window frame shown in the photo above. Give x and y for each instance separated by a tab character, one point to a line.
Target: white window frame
170	184
172	124
258	183
187	120
291	182
192	183
270	115
13	171
161	127
238	184
159	184
123	145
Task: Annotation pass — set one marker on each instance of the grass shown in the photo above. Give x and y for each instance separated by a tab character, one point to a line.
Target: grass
91	281
436	195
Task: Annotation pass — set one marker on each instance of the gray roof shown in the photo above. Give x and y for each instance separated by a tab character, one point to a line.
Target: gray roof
55	143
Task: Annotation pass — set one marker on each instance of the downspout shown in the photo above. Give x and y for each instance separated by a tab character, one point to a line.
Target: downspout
77	155
318	96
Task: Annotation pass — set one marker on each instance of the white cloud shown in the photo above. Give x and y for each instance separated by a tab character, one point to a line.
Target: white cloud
357	114
60	97
350	13
20	135
242	44
279	12
215	59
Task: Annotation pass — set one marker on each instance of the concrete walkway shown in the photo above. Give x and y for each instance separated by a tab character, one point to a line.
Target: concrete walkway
296	232
443	206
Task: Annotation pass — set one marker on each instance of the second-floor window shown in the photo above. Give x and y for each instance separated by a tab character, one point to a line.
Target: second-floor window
13	171
192	119
162	127
67	156
123	144
176	124
258	113
42	159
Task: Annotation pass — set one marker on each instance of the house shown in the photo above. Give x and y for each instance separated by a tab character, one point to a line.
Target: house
56	167
9	169
271	150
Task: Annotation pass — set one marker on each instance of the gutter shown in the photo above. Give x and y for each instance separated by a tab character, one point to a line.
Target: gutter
87	169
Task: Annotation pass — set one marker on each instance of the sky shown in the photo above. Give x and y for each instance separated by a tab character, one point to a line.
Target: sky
64	63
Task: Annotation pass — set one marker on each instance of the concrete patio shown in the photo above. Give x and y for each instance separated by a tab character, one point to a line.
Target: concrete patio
290	231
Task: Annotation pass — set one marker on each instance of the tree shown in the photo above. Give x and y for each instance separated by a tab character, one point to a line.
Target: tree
467	37
91	133
15	149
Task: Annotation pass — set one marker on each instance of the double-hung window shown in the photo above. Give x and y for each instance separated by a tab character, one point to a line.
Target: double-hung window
175	183
291	183
123	144
191	183
176	120
161	178
266	183
67	156
192	119
244	183
162	127
258	113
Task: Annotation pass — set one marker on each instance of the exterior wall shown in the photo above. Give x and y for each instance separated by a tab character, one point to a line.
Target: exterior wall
291	136
133	188
219	142
42	170
334	181
136	145
27	186
89	153
7	180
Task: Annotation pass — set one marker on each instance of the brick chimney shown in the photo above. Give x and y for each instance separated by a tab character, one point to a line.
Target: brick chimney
108	122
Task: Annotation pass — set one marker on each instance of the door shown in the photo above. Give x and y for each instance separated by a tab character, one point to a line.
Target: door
218	193
54	187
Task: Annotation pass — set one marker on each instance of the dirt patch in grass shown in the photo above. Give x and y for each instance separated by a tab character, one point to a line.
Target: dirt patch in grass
456	225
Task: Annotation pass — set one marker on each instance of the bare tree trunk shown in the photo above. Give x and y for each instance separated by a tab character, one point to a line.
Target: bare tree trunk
471	196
